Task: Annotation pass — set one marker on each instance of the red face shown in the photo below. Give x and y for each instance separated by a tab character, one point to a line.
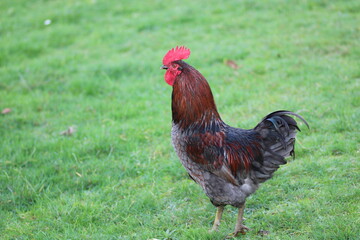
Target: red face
172	70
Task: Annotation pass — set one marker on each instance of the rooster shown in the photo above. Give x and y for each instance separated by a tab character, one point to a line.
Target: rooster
228	163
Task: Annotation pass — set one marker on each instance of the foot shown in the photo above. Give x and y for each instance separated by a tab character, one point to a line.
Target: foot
219	213
215	228
240	229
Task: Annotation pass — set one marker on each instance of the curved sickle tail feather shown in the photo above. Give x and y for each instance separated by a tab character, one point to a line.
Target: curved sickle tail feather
278	131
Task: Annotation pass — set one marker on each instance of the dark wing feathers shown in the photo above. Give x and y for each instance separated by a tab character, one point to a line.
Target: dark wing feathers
242	147
229	152
226	152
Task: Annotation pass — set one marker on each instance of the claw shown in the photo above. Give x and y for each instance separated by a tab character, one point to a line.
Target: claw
243	229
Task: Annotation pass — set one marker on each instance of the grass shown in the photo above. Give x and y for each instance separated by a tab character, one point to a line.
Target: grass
96	67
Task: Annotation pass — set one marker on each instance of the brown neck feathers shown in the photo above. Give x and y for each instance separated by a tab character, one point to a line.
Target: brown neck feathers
192	99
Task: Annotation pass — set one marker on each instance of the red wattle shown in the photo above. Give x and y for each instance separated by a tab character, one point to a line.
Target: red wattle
170	76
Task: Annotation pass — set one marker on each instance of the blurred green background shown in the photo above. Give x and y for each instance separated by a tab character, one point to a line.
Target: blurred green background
85	149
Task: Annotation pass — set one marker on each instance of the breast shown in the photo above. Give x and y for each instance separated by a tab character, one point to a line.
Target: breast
179	144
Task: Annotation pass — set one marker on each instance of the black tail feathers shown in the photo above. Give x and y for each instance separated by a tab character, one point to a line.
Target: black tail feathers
278	131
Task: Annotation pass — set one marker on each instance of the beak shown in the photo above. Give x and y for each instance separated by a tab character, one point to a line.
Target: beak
163	67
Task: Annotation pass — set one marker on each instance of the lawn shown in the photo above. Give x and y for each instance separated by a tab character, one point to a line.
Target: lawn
92	67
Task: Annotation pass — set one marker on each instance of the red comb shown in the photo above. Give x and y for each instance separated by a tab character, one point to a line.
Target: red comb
175	54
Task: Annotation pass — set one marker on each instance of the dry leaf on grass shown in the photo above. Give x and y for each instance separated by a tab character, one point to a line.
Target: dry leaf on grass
6	111
70	131
232	64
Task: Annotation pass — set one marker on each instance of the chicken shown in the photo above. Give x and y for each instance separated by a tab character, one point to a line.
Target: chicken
228	163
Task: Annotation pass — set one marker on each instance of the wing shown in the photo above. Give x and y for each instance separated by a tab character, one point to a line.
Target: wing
227	153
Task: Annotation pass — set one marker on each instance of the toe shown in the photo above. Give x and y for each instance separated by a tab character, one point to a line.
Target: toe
243	229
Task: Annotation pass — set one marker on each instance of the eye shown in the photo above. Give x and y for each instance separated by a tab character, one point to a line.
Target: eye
176	67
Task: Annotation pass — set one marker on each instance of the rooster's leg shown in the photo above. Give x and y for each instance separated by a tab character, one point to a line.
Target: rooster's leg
239	227
219	213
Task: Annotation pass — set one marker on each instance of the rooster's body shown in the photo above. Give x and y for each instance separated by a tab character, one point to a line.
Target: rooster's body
228	163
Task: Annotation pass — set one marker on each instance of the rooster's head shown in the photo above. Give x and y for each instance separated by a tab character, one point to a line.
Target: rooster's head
172	67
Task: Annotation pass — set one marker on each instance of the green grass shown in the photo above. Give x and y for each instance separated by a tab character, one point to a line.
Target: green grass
96	67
